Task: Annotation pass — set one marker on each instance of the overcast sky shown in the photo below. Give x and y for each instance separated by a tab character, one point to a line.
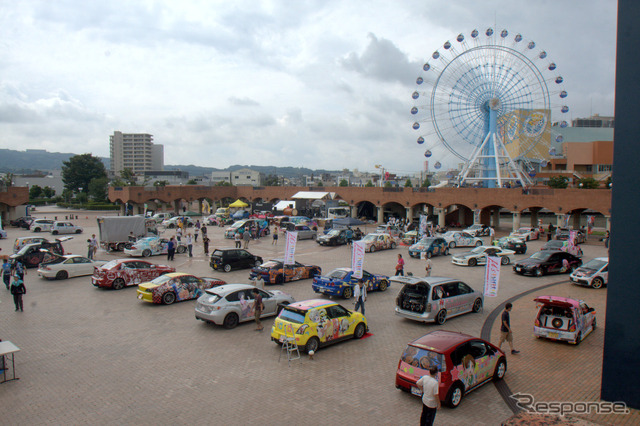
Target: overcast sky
318	84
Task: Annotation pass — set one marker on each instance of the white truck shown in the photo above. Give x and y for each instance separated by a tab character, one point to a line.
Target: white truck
120	232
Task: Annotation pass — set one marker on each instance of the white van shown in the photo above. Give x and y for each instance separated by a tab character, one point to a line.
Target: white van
338	212
41	225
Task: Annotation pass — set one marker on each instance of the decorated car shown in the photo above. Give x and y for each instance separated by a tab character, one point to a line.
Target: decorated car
246	225
478	256
376	242
231	304
172	222
526	234
276	272
561	318
510	243
317	323
428	247
563	246
67	266
478	230
335	237
152	246
564	234
120	273
340	282
547	262
31	255
410	237
594	273
461	239
464	363
393	230
175	286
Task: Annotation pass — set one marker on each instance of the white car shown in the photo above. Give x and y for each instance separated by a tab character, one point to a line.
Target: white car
526	234
461	239
477	230
173	222
478	256
594	273
41	225
231	304
71	265
61	227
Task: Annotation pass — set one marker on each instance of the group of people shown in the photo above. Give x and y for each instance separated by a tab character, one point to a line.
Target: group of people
16	271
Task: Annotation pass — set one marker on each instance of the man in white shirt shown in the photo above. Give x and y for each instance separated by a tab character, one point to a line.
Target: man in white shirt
360	293
430	398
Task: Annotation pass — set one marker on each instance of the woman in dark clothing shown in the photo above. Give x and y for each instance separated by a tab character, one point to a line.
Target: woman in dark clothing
18	289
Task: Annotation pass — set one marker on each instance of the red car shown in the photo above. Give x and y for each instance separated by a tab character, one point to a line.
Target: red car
120	273
464	363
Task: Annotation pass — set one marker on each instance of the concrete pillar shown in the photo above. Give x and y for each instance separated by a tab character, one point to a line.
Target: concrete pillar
496	218
516	220
123	209
353	211
576	221
380	214
199	206
534	218
176	207
409	214
430	210
476	216
461	216
607	225
559	220
441	216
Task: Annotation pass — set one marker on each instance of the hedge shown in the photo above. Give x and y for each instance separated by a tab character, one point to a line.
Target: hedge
90	206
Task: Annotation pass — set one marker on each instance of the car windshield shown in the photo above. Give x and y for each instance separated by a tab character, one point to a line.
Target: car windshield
541	255
110	264
238	224
333	233
594	264
53	259
290	315
523	230
370	237
161	279
270	264
478	250
423	358
426	240
338	274
448	234
554	244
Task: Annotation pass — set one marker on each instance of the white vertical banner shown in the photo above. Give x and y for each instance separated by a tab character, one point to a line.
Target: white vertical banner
422	229
492	276
357	258
290	248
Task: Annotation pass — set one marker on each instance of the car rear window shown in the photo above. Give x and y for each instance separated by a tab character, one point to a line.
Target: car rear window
291	315
217	253
423	358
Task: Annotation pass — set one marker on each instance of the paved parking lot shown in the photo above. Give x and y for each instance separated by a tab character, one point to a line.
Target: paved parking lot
103	357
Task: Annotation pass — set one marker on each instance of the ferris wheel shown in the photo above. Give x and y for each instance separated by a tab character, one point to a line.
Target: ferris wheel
488	98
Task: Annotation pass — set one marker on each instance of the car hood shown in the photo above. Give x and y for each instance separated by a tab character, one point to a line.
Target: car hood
468	254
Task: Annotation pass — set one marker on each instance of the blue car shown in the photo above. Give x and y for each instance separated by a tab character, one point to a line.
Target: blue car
430	246
340	282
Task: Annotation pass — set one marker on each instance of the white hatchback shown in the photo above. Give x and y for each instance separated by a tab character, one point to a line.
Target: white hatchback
41	225
61	227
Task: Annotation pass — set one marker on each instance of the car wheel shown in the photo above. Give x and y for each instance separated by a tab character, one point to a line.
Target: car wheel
78	231
227	268
578	338
393	245
62	275
441	317
121	246
312	345
473	262
527	238
171	226
231	321
181	249
383	285
501	369
347	293
594	325
452	244
429	255
455	395
538	272
359	331
478	243
54	232
37	230
279	279
477	305
257	263
313	236
117	284
168	298
446	251
146	253
372	249
505	260
597	282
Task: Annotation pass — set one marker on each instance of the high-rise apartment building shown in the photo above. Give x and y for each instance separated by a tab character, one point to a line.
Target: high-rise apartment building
135	151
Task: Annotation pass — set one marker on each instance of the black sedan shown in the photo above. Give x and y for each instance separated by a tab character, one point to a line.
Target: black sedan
547	262
22	222
335	237
562	234
515	244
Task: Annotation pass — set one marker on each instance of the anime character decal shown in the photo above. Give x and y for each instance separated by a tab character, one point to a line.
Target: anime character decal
328	328
473	371
247	307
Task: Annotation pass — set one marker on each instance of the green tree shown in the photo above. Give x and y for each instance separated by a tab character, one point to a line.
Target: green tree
343	182
80	170
387	184
48	192
369	184
319	183
128	177
408	184
82	197
558	182
272	180
35	192
588	183
192	182
161	183
223	183
426	183
7	180
99	188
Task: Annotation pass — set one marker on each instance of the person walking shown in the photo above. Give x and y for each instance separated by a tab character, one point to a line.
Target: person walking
189	244
196	230
179	234
275	237
89	249
430	396
171	249
400	266
505	329
258	307
205	243
427	268
246	237
19	269
606	239
6	273
360	292
18	289
492	234
238	240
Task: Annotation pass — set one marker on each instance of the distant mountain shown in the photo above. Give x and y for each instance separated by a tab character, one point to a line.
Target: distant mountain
32	160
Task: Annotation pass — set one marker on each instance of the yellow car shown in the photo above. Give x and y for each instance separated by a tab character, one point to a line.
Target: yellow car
175	286
317	323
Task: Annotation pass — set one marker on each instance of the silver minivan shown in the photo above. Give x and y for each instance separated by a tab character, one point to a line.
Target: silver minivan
434	299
